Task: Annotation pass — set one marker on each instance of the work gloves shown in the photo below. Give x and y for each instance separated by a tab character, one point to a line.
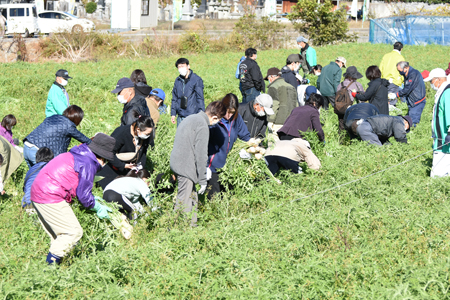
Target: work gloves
100	209
202	189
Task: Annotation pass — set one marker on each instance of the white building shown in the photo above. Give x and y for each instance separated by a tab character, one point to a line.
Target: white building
133	14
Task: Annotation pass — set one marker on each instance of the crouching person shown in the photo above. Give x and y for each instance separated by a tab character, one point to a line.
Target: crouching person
190	154
378	129
288	153
69	175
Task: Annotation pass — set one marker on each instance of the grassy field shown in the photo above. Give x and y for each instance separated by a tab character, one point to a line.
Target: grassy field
385	236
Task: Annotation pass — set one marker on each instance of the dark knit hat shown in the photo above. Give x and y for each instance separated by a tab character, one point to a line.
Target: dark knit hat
409	120
103	145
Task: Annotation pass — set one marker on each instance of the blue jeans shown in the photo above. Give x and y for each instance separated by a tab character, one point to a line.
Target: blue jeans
249	95
365	132
179	119
416	112
29	153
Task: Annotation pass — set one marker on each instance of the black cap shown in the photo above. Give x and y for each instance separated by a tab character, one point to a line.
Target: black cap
103	145
123	83
63	73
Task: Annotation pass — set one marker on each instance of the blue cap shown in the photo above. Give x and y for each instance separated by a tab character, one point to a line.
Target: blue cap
158	93
302	39
123	83
310	90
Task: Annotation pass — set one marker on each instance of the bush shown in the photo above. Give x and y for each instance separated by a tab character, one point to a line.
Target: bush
91	7
320	23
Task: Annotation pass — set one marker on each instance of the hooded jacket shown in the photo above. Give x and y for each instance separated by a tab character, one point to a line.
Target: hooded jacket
133	109
284	100
191	88
414	88
221	140
329	79
303	118
55	133
289	76
66	176
387	126
359	111
377	94
142	89
251	76
57	100
256	125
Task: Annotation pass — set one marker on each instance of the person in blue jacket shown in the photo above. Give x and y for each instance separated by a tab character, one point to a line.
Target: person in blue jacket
58	98
187	93
238	72
413	90
221	139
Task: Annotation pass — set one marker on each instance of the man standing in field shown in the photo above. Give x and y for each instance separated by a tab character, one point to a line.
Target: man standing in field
187	93
58	98
250	76
388	68
190	154
308	55
289	71
329	80
440	125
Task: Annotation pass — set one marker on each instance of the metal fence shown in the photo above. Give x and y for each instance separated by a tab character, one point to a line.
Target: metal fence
410	30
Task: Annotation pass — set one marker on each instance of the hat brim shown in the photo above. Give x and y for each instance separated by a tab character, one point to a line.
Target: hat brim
268	111
266	78
116	90
429	78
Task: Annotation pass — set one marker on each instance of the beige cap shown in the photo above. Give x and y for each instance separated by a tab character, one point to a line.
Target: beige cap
343	60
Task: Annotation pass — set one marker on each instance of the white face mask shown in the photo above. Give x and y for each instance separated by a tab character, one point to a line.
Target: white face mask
261	113
434	87
121	99
63	82
182	71
297	68
144	136
318	74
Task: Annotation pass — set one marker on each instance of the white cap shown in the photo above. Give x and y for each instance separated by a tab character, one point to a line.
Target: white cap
266	101
343	60
435	73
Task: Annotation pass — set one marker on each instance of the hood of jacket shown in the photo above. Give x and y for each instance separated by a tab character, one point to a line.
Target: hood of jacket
285	70
142	89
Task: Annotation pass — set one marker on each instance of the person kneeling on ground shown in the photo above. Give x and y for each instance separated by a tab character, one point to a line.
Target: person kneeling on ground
69	175
378	129
288	153
357	112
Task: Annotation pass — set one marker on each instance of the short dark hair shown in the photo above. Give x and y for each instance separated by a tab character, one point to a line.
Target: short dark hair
250	52
44	154
317	68
216	109
398	46
373	72
142	173
143	123
138	76
315	99
74	113
181	61
231	101
9	121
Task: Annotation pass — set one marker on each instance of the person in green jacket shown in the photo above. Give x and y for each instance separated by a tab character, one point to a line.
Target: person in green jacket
329	79
308	54
58	99
388	68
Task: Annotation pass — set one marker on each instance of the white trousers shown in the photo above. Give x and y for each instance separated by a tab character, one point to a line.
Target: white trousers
441	164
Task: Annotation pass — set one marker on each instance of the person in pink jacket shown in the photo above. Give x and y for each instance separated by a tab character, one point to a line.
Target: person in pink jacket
69	175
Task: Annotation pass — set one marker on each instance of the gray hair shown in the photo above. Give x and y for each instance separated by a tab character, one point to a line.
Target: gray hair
403	64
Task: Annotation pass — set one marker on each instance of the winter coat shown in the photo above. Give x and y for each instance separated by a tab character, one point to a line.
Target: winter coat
29	179
133	109
354	86
256	125
7	134
303	118
388	67
142	89
57	100
359	111
221	140
414	88
11	159
66	176
289	76
329	79
309	58
377	94
284	100
237	68
191	88
387	126
190	148
251	76
296	150
55	133
441	119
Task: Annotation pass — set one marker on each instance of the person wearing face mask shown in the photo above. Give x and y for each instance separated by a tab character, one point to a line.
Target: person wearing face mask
317	70
308	55
189	156
413	90
329	80
134	105
388	68
222	137
440	123
255	115
58	98
290	71
65	177
187	93
131	146
250	77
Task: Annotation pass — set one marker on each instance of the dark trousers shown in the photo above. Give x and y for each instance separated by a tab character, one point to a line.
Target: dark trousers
341	123
112	196
328	100
416	112
249	95
213	186
276	162
285	137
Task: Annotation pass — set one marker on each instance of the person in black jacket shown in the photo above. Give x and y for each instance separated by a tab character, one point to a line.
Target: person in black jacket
377	92
131	146
378	129
250	76
357	112
134	105
255	114
289	71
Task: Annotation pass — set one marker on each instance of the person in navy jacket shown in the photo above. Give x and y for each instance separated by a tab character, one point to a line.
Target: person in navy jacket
221	139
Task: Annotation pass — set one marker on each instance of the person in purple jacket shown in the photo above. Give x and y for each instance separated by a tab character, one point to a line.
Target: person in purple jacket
221	139
69	175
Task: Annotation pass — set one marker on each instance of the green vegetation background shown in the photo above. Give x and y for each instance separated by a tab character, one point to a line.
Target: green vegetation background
384	237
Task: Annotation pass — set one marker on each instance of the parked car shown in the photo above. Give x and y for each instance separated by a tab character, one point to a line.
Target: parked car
58	21
20	18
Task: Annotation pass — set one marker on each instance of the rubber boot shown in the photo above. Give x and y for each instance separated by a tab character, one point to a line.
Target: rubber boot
51	258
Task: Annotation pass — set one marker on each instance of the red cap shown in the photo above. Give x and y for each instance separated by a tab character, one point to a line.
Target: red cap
425	74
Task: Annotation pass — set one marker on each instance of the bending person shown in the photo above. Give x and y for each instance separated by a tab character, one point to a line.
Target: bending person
378	129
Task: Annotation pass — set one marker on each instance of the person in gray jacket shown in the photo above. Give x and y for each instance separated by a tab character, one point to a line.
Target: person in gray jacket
190	154
378	129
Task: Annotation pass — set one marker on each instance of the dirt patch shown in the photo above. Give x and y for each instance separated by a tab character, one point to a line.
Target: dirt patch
12	50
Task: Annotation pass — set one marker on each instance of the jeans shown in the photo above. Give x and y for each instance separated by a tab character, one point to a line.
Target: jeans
249	95
179	119
392	88
365	132
416	112
29	153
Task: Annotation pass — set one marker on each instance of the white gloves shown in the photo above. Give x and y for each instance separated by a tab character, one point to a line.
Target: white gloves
244	154
138	207
299	77
208	174
270	125
202	189
392	96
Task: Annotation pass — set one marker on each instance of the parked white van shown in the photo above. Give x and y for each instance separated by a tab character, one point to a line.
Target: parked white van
20	18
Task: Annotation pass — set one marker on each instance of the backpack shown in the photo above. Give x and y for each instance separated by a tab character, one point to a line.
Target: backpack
342	99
